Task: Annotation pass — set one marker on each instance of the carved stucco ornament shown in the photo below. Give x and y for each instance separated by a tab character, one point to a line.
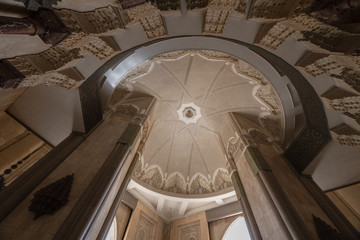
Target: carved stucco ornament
51	198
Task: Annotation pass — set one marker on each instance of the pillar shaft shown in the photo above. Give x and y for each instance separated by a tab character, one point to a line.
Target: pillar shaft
276	195
240	192
114	207
82	219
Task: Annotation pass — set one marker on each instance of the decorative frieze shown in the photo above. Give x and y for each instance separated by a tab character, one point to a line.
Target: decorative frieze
346	104
44	68
119	94
333	39
215	19
350	76
153	25
127	109
249	71
342	101
346	135
176	183
192	4
271	9
272	125
52	78
126	4
268	96
150	19
241	8
276	35
323	65
222	180
100	20
200	185
166	5
217	14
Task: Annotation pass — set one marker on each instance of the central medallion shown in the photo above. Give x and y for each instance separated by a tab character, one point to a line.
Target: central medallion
189	113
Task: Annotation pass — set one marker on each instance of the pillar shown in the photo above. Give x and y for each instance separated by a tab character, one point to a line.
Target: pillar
279	197
241	195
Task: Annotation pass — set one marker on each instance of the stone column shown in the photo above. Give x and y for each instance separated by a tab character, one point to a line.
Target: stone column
114	207
98	204
241	195
283	208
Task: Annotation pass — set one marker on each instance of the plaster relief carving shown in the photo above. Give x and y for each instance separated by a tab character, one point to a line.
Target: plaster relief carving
276	36
272	124
192	4
233	146
176	184
152	177
217	14
346	135
258	136
161	153
119	94
268	96
46	67
150	19
137	71
222	180
350	77
100	20
249	71
145	135
343	101
127	109
200	185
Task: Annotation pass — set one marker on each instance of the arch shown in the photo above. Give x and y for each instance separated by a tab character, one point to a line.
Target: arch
237	230
307	144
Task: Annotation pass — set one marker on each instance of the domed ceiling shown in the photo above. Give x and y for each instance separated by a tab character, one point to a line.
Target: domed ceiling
185	153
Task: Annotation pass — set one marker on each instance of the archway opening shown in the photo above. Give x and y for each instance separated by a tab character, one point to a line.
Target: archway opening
237	230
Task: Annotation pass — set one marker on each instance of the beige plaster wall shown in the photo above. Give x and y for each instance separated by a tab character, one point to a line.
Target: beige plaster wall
218	228
195	227
264	215
347	199
144	224
304	204
84	162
